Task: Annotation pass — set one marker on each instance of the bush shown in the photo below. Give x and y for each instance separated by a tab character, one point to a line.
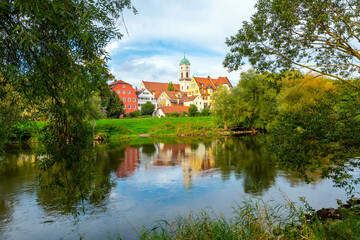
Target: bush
193	110
134	114
147	109
174	114
206	112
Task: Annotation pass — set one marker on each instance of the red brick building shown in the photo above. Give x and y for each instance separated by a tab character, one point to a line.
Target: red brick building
127	94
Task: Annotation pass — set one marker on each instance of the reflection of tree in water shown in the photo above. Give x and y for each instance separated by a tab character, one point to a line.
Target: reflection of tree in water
69	185
245	157
148	149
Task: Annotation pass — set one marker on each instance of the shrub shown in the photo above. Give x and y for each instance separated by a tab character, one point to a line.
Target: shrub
193	110
206	112
174	114
134	114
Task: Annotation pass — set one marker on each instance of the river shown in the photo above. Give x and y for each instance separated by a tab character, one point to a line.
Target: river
134	184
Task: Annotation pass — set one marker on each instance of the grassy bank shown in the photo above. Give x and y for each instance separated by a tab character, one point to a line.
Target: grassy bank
257	220
115	129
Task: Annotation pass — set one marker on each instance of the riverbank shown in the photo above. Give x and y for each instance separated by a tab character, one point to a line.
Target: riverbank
129	128
116	129
258	220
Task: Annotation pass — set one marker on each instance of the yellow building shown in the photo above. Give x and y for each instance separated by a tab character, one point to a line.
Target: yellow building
206	87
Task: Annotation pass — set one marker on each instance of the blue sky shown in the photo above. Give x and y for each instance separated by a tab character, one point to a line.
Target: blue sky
162	31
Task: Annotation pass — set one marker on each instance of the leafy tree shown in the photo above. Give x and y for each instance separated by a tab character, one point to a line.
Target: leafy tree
147	108
321	36
193	110
170	87
320	132
251	104
115	107
53	53
205	112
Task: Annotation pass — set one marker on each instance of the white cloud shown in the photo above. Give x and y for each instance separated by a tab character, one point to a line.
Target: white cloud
197	27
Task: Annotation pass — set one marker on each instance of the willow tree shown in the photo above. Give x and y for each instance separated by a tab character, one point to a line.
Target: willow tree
53	52
322	36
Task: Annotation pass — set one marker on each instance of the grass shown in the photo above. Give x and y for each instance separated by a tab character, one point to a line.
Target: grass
115	129
120	129
256	220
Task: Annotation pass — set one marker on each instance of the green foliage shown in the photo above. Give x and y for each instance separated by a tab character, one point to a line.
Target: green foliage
53	55
174	114
319	37
115	107
134	114
147	108
170	87
321	133
251	104
205	112
192	110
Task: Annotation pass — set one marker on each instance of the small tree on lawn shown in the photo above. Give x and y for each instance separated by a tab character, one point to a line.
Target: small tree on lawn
147	109
205	112
115	107
193	110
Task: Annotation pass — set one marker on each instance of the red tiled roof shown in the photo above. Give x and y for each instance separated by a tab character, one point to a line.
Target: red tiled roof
204	81
173	94
171	109
220	81
189	99
118	82
159	87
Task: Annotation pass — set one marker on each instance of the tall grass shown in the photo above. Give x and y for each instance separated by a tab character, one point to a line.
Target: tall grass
256	220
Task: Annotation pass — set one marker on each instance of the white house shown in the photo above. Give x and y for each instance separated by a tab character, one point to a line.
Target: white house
145	96
196	100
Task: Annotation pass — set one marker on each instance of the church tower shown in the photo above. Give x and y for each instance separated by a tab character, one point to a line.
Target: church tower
185	78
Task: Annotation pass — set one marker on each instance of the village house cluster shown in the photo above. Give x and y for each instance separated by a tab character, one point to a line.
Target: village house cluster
190	90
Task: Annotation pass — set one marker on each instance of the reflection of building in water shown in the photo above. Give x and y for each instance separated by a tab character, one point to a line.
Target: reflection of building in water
129	163
195	160
24	159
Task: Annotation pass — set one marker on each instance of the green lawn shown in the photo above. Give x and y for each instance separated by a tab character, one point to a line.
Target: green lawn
124	128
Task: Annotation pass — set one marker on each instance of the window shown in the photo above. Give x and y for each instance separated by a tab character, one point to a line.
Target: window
124	91
182	88
124	99
129	99
182	75
124	107
192	85
196	91
128	92
187	67
123	85
210	97
134	99
188	87
187	74
118	91
134	106
139	105
129	106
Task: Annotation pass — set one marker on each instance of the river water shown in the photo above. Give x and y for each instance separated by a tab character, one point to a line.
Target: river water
134	184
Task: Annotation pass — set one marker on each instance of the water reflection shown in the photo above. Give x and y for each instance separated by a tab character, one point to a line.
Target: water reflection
244	157
122	185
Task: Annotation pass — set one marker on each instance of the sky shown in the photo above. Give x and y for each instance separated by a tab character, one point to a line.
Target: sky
156	39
